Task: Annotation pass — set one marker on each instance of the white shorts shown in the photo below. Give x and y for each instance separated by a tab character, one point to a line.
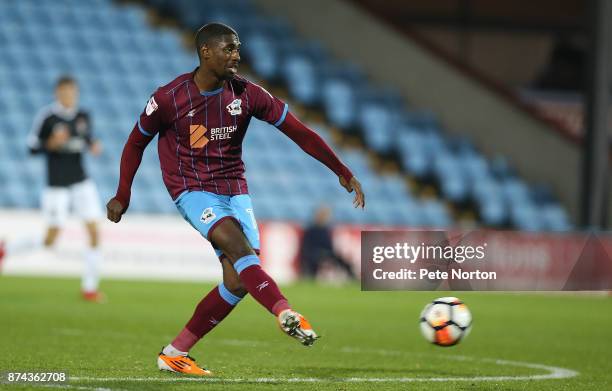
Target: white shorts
81	198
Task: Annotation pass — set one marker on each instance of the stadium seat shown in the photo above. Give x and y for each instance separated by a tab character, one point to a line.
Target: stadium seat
490	201
525	217
338	101
301	78
555	218
262	55
411	148
377	126
435	214
450	176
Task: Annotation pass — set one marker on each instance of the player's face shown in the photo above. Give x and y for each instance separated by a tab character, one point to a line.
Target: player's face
67	95
224	56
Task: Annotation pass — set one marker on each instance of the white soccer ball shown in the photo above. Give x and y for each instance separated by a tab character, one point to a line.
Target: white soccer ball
445	321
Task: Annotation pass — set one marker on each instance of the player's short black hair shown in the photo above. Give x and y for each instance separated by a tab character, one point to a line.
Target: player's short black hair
65	79
212	31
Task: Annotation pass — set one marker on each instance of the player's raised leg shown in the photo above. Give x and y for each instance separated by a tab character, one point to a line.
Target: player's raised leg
228	236
211	310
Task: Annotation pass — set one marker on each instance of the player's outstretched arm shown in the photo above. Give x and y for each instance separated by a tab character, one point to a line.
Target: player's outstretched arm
316	147
130	161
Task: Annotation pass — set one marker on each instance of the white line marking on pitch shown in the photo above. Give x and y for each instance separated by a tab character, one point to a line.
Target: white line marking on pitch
553	373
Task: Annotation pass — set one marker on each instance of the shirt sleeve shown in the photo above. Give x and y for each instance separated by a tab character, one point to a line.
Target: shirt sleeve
40	132
151	120
266	107
45	132
89	136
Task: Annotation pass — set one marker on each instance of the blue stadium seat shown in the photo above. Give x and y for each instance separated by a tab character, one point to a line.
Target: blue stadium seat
35	15
395	185
357	161
435	214
491	203
501	168
414	156
300	76
62	16
262	55
474	166
525	216
493	212
450	176
10	15
555	218
377	126
338	101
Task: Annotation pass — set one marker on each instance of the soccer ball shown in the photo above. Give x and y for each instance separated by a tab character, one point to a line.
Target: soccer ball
445	321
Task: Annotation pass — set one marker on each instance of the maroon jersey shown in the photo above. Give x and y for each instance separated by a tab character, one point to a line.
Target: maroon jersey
201	133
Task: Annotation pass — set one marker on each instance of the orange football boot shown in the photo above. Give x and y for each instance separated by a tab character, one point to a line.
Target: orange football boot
181	364
295	325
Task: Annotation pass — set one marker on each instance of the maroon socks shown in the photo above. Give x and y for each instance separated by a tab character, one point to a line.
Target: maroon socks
260	285
220	302
209	312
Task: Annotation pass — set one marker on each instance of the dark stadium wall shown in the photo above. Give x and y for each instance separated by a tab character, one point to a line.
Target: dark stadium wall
464	105
509	58
511	42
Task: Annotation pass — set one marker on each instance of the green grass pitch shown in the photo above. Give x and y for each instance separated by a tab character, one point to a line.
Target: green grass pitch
370	340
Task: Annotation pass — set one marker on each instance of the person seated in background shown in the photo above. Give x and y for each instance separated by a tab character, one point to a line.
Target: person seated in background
317	247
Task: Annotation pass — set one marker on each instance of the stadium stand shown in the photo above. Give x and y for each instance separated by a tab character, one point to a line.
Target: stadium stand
119	59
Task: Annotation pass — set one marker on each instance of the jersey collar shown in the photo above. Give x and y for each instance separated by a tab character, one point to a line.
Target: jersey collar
61	111
213	92
206	93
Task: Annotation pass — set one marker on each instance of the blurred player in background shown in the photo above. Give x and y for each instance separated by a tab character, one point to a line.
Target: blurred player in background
63	133
201	118
317	246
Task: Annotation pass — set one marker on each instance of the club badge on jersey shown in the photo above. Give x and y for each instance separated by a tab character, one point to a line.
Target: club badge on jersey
235	108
